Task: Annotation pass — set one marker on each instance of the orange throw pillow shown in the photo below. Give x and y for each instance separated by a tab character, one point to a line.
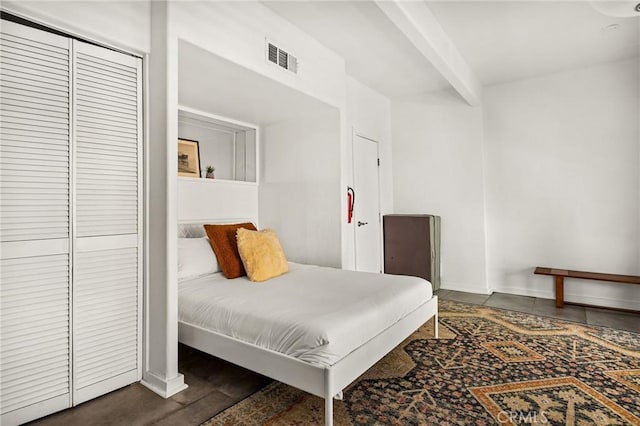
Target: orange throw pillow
223	242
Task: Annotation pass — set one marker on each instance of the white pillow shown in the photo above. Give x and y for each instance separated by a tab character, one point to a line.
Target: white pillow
195	258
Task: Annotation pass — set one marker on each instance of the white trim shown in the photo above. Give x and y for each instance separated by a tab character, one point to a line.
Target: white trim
69	31
217	220
171	209
450	285
195	111
144	348
235	152
364	136
142	132
570	296
163	387
217	181
325	382
73	242
214	127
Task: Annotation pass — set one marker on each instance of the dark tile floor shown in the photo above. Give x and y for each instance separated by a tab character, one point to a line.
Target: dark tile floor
215	385
547	307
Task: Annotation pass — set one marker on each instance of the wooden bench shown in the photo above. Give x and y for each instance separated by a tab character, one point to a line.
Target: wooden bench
561	274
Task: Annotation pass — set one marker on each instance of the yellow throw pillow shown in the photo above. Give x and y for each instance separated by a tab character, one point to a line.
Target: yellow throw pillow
261	254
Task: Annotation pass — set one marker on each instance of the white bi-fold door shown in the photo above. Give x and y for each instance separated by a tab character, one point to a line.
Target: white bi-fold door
70	221
106	220
35	231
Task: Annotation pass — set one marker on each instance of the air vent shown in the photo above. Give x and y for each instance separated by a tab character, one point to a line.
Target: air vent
279	57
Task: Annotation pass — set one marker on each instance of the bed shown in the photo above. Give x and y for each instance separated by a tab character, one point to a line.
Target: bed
314	328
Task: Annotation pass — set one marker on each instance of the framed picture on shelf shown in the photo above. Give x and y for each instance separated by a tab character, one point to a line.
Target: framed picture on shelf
188	158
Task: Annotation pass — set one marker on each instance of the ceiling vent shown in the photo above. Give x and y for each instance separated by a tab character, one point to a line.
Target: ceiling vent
279	57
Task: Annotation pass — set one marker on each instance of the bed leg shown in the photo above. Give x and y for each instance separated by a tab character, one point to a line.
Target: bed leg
435	326
328	398
328	411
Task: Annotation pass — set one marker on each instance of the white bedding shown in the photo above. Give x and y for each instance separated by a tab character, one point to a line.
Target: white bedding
313	313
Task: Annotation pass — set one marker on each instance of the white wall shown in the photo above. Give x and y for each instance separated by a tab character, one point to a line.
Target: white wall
216	201
299	186
122	24
562	181
437	169
237	32
368	114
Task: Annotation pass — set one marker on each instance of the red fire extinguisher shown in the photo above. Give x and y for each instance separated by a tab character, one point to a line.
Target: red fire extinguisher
351	202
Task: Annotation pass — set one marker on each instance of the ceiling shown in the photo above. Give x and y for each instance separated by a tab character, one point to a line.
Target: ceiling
240	93
500	40
506	40
376	52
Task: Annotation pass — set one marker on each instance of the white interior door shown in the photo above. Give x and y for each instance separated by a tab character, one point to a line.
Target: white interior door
366	214
108	215
34	223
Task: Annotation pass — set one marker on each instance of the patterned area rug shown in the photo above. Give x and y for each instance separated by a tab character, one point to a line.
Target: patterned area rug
489	366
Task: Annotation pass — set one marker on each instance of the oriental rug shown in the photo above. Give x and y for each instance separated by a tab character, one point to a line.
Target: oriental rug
488	367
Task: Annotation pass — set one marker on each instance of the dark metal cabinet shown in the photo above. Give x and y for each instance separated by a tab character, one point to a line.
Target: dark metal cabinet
412	246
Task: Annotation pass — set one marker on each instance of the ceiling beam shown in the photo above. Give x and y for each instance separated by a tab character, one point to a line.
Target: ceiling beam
417	23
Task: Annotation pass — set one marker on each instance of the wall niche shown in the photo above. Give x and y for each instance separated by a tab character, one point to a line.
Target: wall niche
228	146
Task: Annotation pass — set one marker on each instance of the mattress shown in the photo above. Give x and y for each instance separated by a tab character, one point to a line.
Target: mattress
315	314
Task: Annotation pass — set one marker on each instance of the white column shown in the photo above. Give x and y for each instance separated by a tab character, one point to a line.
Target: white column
161	311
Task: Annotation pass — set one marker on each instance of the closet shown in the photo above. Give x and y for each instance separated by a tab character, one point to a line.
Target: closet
70	221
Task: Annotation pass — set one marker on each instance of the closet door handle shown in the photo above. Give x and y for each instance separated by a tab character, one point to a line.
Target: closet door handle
362	223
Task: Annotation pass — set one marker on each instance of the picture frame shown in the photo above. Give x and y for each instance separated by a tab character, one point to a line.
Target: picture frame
188	158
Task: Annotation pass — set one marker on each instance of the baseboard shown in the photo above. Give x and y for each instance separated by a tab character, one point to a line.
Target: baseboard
542	294
163	387
450	285
571	297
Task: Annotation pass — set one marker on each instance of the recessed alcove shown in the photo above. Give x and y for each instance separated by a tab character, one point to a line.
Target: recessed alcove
282	171
228	147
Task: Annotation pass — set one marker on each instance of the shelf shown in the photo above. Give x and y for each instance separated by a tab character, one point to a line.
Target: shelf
227	144
216	181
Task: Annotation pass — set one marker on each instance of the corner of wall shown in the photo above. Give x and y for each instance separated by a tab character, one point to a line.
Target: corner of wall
438	157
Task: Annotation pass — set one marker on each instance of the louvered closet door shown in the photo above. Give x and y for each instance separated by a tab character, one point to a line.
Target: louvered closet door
108	221
34	223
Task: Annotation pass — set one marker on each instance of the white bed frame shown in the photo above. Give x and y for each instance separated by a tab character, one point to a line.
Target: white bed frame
325	382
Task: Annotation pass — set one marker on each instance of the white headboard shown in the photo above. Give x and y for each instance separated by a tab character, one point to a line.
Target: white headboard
195	229
215	201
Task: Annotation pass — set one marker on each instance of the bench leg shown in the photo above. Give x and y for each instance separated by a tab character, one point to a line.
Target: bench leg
559	292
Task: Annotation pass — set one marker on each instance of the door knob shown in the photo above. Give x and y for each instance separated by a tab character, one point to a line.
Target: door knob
362	223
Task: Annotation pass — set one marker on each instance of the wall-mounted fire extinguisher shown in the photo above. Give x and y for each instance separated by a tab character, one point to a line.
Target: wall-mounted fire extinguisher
351	202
